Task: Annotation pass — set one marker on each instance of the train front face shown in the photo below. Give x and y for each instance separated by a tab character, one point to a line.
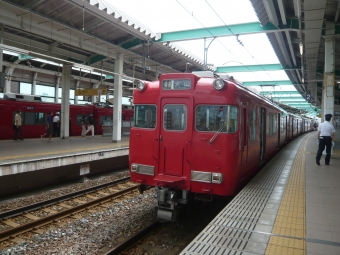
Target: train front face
183	129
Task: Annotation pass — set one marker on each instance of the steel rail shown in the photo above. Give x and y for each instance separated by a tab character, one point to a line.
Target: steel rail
10	233
36	206
132	240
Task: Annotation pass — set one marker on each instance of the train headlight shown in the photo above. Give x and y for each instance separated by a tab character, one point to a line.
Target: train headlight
141	85
134	168
142	169
216	178
219	84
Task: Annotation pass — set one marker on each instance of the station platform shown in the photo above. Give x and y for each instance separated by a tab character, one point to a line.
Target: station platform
291	206
61	159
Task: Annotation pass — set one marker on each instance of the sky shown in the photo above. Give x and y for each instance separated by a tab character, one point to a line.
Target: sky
175	15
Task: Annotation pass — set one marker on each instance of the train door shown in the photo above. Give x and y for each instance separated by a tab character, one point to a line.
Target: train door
244	141
287	128
262	133
278	130
175	135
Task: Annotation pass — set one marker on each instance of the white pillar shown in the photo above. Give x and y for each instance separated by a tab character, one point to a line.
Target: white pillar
95	99
65	102
8	72
328	84
77	87
1	59
34	83
1	50
56	91
117	101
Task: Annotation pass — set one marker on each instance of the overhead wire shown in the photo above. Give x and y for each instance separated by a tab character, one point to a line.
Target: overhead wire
207	29
238	40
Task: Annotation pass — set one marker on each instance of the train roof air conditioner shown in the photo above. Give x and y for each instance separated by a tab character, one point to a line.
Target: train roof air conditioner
23	97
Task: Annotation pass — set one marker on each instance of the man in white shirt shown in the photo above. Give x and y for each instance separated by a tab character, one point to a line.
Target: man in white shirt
56	125
325	139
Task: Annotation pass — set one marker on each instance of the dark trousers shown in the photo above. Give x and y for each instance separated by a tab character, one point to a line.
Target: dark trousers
18	130
56	129
324	141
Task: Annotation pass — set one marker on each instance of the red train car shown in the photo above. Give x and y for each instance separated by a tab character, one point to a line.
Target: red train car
202	135
34	113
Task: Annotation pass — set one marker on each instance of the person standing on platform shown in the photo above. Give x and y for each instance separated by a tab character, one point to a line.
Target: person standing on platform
70	127
315	126
83	126
90	125
18	123
325	139
49	126
56	125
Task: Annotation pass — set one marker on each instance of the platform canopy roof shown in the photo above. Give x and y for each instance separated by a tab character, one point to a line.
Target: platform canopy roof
93	32
297	31
88	34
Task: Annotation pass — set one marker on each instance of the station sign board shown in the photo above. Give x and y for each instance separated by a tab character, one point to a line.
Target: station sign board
90	92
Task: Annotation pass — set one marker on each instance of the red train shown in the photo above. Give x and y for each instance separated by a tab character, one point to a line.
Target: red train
196	135
34	113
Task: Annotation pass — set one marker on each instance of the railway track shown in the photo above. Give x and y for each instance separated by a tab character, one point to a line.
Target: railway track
48	202
34	217
168	238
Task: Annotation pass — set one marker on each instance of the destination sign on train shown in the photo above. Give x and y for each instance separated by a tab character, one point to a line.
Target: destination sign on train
90	92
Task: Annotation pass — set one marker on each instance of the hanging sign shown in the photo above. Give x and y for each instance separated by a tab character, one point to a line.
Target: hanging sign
90	92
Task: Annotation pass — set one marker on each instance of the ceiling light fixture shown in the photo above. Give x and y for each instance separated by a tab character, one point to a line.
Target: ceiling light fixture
301	48
85	67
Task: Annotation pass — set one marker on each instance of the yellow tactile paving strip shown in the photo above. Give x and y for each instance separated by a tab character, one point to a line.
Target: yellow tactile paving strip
111	146
289	232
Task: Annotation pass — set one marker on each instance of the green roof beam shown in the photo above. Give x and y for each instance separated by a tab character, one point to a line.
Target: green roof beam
228	30
267	83
287	98
299	105
133	43
291	101
252	68
95	59
280	92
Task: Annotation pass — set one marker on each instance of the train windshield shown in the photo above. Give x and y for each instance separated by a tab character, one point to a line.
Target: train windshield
145	116
216	118
175	117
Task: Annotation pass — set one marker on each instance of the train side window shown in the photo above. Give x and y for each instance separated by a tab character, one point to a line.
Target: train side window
22	117
32	118
252	123
216	118
271	124
283	124
145	116
103	118
274	124
175	117
40	118
80	118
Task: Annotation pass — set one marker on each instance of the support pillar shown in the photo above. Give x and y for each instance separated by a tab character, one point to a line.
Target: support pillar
1	59
95	99
117	100
2	27
8	74
77	87
65	102
56	92
328	84
34	83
